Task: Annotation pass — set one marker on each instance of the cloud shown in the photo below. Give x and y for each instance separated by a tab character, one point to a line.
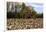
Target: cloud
38	7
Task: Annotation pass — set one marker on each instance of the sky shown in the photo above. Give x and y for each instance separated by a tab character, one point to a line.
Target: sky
38	7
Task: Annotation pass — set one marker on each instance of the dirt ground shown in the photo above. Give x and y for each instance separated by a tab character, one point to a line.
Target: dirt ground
13	24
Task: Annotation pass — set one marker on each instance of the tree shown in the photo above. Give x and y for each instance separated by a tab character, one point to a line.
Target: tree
40	15
22	9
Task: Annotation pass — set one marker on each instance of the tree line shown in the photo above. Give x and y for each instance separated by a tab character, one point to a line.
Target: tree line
26	12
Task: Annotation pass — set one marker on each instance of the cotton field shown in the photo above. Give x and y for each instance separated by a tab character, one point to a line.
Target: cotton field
14	24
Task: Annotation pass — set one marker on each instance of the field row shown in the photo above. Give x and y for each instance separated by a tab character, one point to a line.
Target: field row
13	24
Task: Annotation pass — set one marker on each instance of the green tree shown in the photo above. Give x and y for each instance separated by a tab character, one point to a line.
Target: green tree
40	15
22	9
